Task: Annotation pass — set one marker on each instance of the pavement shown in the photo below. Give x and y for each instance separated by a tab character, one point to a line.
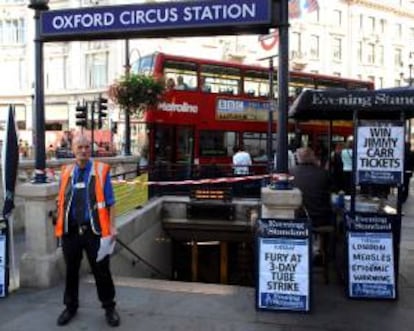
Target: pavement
156	305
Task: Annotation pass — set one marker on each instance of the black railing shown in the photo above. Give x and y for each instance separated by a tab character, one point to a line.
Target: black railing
142	260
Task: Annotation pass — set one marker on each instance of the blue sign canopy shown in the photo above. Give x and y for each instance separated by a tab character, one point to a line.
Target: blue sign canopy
172	19
341	104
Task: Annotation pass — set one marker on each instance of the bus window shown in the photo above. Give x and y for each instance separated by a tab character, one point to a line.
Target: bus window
164	144
184	144
145	65
298	84
256	84
323	84
222	79
294	92
205	83
305	140
217	143
184	74
256	142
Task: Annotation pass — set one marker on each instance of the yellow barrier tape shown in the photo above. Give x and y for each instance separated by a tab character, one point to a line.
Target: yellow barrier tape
130	194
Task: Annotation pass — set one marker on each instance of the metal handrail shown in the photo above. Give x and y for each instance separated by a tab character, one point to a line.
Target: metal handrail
149	265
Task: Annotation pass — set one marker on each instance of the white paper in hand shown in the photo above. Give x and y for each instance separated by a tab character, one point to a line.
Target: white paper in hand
106	247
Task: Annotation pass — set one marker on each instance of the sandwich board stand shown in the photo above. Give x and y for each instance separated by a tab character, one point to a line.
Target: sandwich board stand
9	165
372	223
4	270
283	265
372	227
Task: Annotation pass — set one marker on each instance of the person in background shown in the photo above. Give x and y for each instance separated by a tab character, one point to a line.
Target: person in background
66	140
337	167
181	85
143	160
204	86
408	171
241	161
315	184
95	148
170	85
261	157
23	149
85	215
51	153
346	158
291	160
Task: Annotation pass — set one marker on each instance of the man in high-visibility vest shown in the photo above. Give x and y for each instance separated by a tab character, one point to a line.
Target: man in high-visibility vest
84	223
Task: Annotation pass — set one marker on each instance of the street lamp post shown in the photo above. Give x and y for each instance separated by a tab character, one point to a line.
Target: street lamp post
39	105
270	118
410	68
127	150
269	149
283	89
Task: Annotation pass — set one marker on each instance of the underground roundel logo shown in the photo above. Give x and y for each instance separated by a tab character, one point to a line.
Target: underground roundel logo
269	41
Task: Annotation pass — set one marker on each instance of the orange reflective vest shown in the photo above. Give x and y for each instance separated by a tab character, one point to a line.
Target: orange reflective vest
98	211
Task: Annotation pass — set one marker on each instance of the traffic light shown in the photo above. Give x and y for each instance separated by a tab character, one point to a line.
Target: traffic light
82	115
114	127
102	110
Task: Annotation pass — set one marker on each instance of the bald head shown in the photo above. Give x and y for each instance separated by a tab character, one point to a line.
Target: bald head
306	155
81	147
81	139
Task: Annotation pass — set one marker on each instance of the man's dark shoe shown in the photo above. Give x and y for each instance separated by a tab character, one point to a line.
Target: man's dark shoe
65	317
112	317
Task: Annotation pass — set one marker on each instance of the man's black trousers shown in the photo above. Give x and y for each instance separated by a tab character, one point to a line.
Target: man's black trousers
73	244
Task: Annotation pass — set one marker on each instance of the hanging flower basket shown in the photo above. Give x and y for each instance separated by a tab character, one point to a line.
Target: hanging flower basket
136	92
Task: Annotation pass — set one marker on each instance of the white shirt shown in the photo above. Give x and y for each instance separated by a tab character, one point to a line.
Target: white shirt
291	160
241	163
346	156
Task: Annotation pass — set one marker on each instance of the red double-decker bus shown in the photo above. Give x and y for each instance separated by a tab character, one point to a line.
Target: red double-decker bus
211	106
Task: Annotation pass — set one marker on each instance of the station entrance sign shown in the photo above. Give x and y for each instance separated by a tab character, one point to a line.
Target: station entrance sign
196	18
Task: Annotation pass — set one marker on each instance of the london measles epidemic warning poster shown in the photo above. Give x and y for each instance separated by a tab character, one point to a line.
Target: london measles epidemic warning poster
371	265
380	152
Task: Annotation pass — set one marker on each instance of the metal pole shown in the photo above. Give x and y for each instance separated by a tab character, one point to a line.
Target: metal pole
33	122
410	66
270	119
127	150
269	141
39	111
283	89
93	104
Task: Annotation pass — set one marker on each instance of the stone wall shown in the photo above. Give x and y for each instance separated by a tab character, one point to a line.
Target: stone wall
142	231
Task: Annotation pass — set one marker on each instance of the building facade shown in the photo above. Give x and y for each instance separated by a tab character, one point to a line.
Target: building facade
363	39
